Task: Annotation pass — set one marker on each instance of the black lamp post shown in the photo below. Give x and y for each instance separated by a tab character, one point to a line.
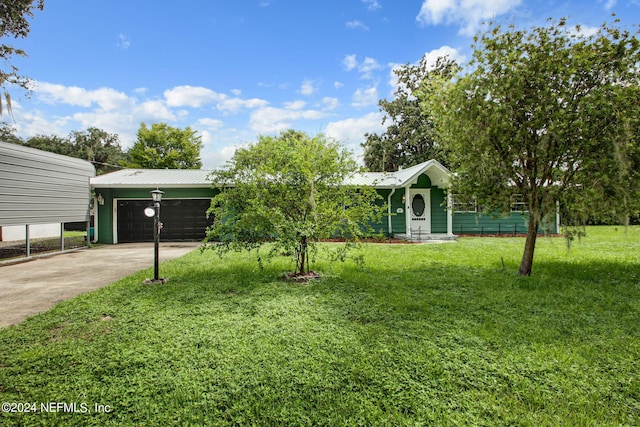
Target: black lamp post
156	195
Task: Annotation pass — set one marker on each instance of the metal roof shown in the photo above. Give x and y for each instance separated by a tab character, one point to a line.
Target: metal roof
177	178
183	178
438	174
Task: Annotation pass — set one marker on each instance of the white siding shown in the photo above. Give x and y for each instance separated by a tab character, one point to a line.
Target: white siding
37	187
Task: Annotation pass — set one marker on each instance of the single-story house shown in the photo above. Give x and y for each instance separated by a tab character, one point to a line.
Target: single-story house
419	206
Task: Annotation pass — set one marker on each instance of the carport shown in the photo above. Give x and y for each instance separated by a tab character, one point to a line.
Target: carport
40	192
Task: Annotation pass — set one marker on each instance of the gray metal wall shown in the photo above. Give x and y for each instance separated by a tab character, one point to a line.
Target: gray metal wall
37	187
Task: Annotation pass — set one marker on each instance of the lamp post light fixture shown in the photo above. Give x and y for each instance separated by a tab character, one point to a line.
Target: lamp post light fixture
156	195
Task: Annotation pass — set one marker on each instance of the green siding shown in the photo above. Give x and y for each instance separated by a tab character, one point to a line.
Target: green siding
423	182
398	220
438	211
514	223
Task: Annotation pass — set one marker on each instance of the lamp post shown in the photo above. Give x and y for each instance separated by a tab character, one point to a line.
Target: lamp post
156	195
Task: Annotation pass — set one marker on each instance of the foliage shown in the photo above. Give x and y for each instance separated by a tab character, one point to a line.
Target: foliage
166	147
550	114
95	145
98	147
432	335
8	134
409	138
14	23
289	190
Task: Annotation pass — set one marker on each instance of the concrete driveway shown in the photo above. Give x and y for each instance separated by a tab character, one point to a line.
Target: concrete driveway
30	287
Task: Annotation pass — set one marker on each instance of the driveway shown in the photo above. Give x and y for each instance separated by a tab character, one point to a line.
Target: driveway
30	287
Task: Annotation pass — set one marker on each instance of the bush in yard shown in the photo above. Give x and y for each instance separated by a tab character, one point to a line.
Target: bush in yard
288	191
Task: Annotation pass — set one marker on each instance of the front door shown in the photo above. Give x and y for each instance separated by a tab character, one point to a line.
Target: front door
420	212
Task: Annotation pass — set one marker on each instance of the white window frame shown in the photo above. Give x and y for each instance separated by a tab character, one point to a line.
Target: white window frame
471	206
517	204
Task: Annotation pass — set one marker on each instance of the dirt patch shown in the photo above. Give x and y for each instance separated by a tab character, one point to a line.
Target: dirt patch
301	278
375	240
9	250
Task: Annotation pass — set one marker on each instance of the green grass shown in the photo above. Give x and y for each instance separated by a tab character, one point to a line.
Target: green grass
423	335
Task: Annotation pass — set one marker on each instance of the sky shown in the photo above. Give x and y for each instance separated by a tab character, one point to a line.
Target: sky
236	69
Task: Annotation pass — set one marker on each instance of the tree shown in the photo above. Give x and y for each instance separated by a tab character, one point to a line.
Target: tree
50	143
94	145
166	147
8	134
99	147
409	137
290	190
550	114
14	23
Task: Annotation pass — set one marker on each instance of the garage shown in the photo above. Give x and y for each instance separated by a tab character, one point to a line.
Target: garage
182	220
120	199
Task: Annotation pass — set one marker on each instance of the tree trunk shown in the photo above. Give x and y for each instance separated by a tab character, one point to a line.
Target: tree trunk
529	247
303	256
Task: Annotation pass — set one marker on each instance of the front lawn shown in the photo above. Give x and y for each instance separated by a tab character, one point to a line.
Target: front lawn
437	334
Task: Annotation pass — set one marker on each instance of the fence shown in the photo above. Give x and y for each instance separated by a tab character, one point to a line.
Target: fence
498	229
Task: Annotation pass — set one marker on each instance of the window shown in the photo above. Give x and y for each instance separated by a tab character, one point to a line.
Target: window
518	204
463	205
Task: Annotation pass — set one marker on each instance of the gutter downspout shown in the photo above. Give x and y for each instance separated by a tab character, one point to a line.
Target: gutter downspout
389	226
96	208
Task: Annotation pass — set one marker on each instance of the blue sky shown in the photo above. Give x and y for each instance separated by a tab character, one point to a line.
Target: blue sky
235	69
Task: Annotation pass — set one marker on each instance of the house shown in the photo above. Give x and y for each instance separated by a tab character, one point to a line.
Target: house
40	192
419	207
120	198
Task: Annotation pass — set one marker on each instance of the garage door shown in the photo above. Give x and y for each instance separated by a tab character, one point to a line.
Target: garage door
182	219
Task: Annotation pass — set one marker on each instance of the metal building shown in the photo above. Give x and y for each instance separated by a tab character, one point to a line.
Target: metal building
38	187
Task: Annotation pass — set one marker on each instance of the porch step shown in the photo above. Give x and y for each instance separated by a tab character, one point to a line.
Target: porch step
428	237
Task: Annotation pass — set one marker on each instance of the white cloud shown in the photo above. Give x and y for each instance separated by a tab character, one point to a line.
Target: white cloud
469	13
295	105
357	24
350	132
123	42
32	123
372	4
234	105
365	68
338	85
350	62
609	4
330	103
209	123
213	159
105	98
191	96
365	97
273	120
308	87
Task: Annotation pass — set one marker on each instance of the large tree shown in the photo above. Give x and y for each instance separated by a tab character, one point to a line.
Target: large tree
290	191
99	147
94	145
14	23
166	147
50	143
550	114
409	138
